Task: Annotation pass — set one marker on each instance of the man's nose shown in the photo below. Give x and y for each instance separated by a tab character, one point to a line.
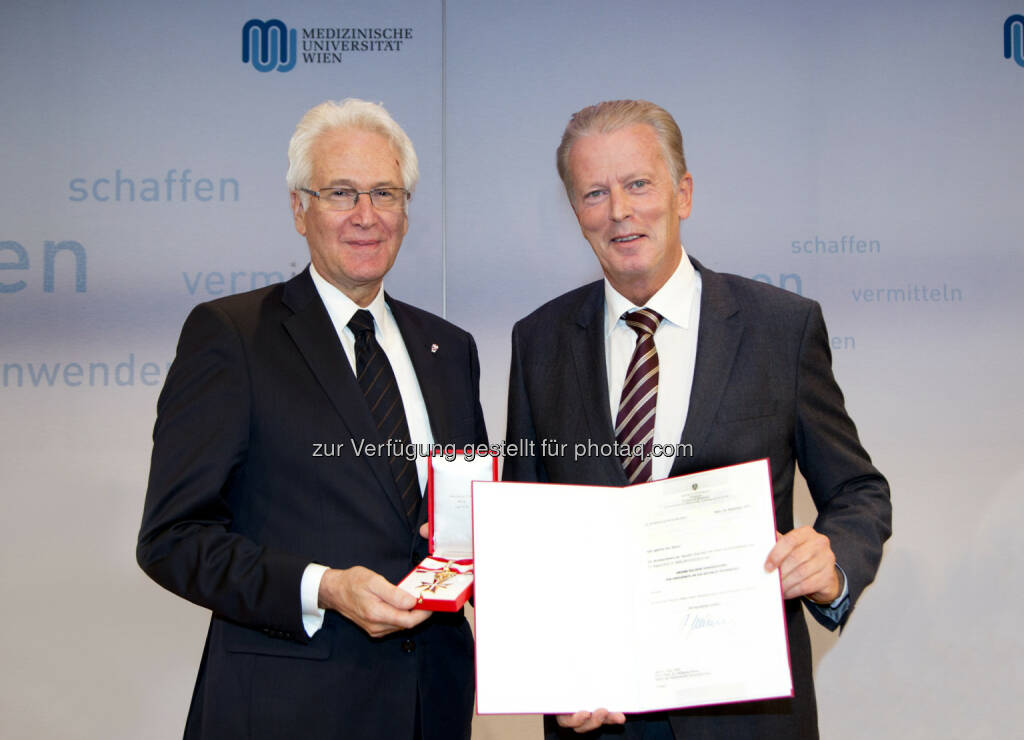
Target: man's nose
620	204
363	213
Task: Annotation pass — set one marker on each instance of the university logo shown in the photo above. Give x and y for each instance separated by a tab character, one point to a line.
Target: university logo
269	45
1013	39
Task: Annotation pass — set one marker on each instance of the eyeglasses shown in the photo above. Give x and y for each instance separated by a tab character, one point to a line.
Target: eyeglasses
345	199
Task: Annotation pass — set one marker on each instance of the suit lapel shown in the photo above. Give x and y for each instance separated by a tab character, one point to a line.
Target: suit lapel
315	337
586	337
427	360
718	339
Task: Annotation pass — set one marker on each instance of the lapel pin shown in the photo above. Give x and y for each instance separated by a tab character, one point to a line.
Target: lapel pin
433	349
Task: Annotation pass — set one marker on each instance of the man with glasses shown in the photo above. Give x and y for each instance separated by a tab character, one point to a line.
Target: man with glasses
285	489
665	354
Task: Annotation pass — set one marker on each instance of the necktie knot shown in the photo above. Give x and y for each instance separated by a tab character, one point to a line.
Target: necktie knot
643	321
361	322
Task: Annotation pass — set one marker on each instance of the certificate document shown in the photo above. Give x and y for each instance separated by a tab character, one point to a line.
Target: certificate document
635	599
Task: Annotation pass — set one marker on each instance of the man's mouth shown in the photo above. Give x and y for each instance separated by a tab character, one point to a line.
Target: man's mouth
626	238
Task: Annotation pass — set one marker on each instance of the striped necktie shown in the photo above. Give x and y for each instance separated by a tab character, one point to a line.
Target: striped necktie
634	423
377	380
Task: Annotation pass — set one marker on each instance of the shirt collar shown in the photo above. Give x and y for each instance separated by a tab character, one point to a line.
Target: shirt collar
341	308
672	301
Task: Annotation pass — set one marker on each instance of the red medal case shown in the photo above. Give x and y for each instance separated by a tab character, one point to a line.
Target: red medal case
444	581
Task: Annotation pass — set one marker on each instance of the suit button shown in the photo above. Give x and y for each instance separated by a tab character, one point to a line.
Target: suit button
408	646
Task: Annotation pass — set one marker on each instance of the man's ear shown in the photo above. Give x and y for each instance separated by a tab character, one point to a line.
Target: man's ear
298	212
684	195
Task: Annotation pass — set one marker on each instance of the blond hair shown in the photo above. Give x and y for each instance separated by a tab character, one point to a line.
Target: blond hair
614	115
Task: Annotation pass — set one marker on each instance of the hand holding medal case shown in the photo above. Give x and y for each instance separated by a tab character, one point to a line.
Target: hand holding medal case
444	581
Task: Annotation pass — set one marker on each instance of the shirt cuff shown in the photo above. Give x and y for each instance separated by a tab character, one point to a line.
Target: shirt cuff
844	593
309	592
835	611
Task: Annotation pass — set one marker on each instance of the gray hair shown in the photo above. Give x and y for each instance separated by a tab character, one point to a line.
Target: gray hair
347	113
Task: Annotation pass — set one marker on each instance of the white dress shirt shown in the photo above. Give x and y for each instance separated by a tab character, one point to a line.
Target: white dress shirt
678	302
341	308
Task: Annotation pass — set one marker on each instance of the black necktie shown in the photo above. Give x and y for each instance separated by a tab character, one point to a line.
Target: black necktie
377	379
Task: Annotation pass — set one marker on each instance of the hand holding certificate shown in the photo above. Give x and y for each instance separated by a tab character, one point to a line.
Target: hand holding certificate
638	599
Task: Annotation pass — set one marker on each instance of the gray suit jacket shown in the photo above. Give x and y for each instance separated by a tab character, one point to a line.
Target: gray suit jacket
762	388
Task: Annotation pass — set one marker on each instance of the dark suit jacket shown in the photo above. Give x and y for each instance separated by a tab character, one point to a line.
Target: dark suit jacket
240	501
762	387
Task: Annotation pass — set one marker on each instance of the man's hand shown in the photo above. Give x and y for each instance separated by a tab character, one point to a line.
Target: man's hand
587	721
807	565
369	600
425	530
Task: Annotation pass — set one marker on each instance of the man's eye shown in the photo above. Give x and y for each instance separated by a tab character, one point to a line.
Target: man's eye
341	194
594	195
639	185
384	195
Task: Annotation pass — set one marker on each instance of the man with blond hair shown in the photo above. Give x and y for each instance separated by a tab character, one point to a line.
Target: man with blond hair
666	354
260	506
